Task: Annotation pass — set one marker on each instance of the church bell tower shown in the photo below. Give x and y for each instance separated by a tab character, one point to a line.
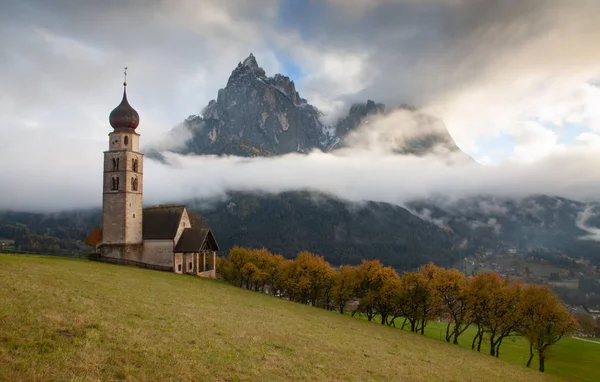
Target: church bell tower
123	185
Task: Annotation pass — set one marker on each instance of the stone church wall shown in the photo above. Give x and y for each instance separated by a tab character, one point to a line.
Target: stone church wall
178	263
133	225
123	252
113	224
158	252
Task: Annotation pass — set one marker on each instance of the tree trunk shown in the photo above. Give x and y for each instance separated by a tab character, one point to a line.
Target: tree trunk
480	341
448	335
542	358
474	340
530	355
492	346
498	347
404	322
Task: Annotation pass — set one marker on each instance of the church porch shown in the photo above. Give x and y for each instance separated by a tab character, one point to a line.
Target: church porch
195	253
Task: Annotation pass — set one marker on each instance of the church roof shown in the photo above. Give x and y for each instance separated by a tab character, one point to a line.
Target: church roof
162	222
196	240
124	116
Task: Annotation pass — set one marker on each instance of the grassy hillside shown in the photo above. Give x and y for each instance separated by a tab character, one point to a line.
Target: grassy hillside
64	319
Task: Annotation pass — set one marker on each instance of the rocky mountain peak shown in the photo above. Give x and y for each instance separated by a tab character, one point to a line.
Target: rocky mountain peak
250	62
246	70
257	115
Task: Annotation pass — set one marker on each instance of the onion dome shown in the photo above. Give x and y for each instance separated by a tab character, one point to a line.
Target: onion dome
124	116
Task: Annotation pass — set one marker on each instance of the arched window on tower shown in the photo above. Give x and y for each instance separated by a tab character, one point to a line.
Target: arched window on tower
115	183
115	167
134	164
134	184
126	140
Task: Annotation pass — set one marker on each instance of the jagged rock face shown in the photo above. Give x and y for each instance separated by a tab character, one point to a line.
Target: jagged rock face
255	115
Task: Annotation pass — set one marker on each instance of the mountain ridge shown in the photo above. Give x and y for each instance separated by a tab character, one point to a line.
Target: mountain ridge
257	115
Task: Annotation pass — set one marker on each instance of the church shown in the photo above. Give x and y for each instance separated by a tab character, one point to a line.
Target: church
160	237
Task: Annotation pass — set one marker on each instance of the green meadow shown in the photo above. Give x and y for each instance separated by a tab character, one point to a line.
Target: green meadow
570	358
66	319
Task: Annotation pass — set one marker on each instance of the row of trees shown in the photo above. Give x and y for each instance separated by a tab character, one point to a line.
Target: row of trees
496	307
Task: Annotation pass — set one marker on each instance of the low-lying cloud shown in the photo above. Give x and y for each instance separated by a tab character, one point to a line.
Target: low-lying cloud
356	174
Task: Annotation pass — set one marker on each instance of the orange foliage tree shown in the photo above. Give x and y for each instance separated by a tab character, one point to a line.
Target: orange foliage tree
344	285
543	321
371	277
94	237
309	279
450	294
502	317
482	290
416	302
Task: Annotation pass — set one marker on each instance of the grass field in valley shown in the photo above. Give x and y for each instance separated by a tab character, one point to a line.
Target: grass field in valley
65	319
570	358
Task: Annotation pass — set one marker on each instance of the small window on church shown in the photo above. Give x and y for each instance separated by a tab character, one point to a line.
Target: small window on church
134	216
134	164
179	267
134	184
115	167
115	183
126	140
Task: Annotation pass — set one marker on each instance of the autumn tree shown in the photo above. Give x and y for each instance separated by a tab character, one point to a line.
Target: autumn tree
232	266
247	273
416	300
543	321
94	237
345	282
371	277
270	270
308	279
502	316
450	294
389	300
482	290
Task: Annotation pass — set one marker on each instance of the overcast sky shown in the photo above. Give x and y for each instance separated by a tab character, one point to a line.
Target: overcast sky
516	83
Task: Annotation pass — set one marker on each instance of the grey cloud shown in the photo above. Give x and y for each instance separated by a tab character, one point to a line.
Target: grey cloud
423	52
582	222
62	62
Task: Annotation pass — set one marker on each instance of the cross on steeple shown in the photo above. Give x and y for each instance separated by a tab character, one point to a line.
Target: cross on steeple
125	78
